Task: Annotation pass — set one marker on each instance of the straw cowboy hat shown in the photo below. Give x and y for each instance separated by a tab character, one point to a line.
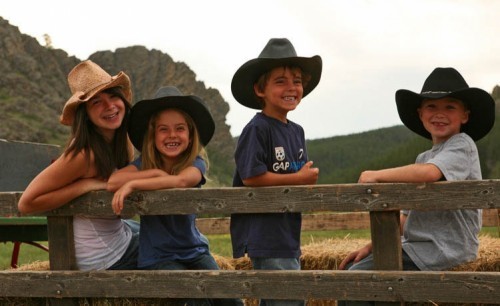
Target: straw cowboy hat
278	52
170	97
447	82
86	80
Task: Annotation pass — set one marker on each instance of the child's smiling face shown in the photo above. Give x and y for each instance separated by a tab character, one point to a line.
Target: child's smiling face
171	134
106	111
282	93
443	118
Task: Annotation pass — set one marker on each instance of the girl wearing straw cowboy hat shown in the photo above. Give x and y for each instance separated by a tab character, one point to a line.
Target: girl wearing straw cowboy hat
97	112
452	115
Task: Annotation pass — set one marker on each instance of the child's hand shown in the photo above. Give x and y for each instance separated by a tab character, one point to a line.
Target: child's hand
368	177
119	198
356	256
308	175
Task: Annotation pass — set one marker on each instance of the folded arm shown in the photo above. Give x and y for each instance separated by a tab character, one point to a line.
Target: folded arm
414	173
62	181
151	180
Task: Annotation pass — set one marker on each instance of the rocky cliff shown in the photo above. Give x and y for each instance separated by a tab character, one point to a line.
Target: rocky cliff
33	90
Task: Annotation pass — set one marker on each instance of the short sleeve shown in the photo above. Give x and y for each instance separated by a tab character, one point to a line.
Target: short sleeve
456	158
251	153
137	163
200	164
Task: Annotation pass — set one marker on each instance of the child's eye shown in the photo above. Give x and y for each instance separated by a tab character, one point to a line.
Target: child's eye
297	81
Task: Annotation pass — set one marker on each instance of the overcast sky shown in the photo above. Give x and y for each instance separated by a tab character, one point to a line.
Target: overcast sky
369	48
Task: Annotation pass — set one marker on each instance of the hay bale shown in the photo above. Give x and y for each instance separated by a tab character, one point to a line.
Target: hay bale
224	263
242	263
34	266
488	258
329	253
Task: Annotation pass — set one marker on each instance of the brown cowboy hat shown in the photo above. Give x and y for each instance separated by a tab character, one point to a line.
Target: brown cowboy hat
448	82
170	97
86	80
278	52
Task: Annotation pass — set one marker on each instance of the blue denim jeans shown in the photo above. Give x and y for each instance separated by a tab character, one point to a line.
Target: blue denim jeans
277	264
202	262
367	264
129	259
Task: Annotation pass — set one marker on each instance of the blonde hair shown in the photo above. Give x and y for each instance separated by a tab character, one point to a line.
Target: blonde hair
151	158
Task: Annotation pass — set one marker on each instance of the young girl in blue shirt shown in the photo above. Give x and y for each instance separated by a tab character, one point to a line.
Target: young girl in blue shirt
171	131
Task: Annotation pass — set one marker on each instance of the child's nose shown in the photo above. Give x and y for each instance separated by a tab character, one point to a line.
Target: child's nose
108	103
292	85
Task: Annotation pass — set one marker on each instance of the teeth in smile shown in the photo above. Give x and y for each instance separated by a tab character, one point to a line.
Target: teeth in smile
111	116
289	98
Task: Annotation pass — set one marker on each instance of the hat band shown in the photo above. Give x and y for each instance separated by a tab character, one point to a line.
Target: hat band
434	92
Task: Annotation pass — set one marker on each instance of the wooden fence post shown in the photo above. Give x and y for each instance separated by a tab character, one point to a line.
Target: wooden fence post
386	239
61	250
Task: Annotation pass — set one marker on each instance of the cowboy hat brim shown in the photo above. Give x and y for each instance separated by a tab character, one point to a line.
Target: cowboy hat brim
120	80
242	84
192	105
480	104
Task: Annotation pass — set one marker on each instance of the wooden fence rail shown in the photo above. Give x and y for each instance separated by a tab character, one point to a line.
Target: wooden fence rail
395	286
382	201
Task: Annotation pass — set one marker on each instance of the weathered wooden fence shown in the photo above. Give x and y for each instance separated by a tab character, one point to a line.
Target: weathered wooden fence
383	202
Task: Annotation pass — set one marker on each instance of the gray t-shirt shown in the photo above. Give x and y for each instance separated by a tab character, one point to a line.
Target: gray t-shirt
442	239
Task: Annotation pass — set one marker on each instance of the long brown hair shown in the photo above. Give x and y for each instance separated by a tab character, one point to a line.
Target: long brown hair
151	158
86	137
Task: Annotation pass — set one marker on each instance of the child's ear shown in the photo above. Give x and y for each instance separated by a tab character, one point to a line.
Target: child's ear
258	93
465	118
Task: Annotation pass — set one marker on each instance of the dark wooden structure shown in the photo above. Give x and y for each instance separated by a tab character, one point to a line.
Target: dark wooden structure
383	202
20	162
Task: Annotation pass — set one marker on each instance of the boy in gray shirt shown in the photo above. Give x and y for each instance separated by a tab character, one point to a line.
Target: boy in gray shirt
453	116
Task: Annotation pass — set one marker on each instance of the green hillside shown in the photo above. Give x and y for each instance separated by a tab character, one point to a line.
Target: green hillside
341	159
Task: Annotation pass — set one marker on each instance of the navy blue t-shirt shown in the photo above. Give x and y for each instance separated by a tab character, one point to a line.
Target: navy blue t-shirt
267	144
171	237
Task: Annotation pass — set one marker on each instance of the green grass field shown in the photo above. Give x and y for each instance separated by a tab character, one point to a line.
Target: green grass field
219	244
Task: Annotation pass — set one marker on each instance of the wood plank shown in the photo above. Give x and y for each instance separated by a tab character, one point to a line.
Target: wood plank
393	286
491	217
324	222
317	198
61	243
23	232
310	222
386	242
335	221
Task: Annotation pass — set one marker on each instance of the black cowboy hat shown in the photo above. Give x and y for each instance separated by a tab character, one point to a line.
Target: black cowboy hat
447	82
278	52
170	97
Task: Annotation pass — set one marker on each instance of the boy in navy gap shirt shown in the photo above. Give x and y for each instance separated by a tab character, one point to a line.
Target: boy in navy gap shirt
271	151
